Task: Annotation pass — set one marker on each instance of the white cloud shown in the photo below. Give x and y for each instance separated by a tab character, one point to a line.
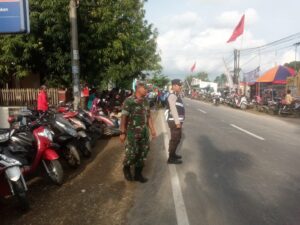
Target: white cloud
231	18
186	19
288	56
183	44
213	1
181	21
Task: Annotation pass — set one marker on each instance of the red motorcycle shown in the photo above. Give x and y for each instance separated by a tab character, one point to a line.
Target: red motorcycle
37	141
110	128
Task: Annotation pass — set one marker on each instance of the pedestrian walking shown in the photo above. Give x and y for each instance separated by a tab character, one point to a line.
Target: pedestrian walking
42	100
175	114
136	121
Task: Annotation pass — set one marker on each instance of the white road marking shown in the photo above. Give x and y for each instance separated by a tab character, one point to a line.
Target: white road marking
202	111
180	209
247	132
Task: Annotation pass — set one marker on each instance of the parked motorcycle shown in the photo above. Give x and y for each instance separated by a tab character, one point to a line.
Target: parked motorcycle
216	100
83	141
241	102
12	181
292	109
107	125
37	141
64	134
65	137
93	130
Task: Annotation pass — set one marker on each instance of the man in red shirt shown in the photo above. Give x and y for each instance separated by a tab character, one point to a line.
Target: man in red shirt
42	101
85	93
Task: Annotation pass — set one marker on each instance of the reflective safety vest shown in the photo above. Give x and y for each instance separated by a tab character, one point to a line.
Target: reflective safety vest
180	110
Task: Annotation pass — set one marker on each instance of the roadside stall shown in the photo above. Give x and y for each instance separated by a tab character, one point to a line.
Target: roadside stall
293	83
273	82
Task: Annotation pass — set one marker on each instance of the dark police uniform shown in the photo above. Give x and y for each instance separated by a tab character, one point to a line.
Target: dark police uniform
175	114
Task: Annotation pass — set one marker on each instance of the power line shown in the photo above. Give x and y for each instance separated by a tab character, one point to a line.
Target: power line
268	45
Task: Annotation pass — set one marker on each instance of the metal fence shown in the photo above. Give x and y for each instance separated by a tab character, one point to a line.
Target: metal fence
26	97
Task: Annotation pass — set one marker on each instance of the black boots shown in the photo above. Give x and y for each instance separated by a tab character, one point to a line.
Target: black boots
138	175
174	159
127	173
177	156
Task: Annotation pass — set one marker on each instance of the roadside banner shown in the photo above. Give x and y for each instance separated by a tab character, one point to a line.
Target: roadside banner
14	16
251	77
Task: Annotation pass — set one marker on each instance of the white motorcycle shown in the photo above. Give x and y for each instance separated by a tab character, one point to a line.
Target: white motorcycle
241	103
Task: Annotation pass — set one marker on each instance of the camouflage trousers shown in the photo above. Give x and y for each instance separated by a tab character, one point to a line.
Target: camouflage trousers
136	148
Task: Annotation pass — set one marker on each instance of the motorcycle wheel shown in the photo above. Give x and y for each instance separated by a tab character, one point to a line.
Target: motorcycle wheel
243	106
281	112
56	172
20	193
87	149
72	156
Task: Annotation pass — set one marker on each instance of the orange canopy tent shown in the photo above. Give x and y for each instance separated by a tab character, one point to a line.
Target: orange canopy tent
276	75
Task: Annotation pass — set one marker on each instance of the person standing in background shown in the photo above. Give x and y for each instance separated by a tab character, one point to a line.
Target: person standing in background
175	114
42	100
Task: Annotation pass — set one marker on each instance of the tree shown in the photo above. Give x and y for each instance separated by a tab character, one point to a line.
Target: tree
295	65
188	81
159	80
116	43
202	76
46	50
221	80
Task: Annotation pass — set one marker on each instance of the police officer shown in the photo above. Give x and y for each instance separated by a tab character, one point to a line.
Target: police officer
175	116
135	123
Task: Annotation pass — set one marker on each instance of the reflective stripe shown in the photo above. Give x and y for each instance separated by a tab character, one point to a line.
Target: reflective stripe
179	104
180	118
166	114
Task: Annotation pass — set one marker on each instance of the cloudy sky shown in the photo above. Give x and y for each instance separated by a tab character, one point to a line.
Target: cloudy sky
197	30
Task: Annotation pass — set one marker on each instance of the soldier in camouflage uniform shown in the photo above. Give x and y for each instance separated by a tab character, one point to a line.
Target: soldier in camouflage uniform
135	123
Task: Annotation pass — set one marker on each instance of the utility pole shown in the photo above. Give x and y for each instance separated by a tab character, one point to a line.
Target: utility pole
296	46
75	52
238	70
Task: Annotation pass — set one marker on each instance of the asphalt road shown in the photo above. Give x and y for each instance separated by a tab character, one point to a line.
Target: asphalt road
239	168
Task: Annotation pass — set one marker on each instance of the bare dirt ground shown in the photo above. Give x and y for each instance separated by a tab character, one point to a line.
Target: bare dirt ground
96	193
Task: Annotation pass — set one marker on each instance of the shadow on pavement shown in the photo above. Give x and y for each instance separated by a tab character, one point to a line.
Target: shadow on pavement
40	188
224	199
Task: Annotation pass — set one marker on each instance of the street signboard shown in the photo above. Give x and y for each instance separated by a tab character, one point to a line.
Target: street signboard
14	16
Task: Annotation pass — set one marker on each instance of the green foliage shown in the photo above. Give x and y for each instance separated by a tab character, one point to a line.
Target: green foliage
221	80
202	76
116	43
295	65
159	80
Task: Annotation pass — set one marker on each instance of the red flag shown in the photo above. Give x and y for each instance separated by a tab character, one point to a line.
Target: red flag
193	67
239	30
